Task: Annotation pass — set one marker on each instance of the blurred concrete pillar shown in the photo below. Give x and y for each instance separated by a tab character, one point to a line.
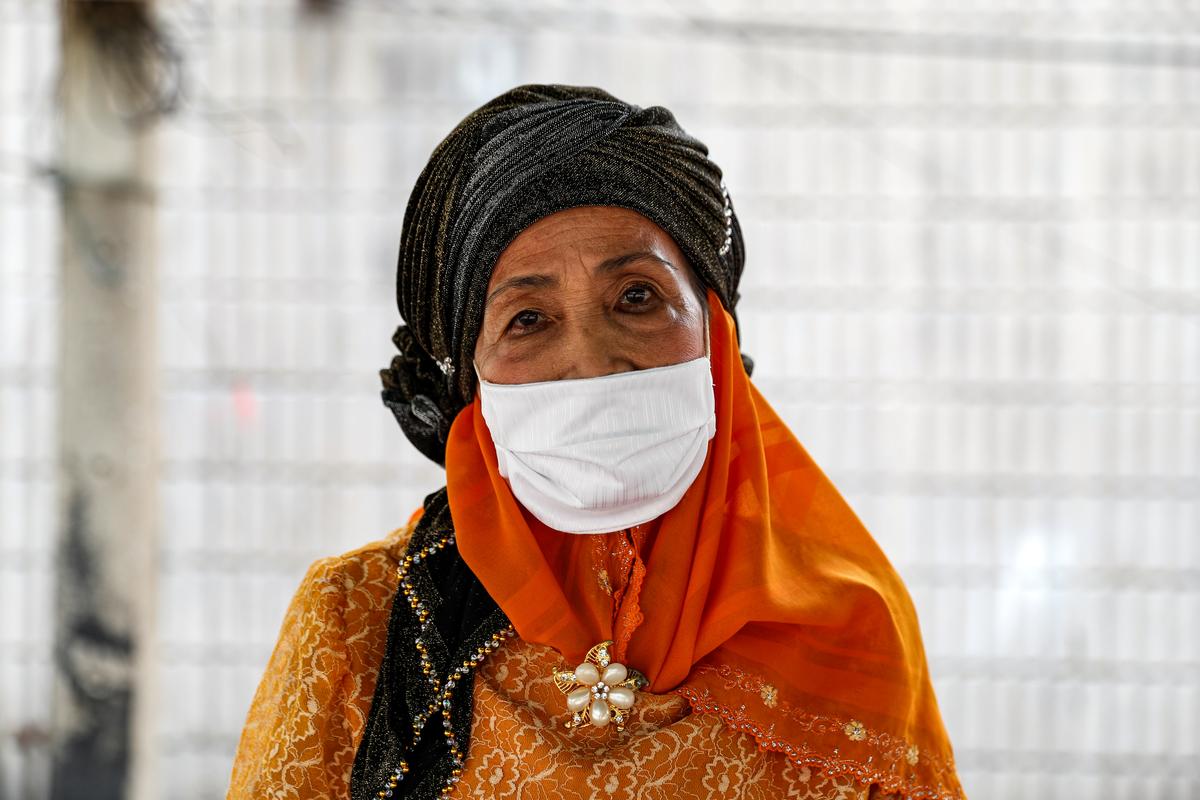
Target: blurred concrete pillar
108	409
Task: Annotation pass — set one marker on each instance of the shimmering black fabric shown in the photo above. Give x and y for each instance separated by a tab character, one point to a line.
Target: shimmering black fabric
464	617
534	150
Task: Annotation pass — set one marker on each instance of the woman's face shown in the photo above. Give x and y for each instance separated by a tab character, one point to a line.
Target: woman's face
585	292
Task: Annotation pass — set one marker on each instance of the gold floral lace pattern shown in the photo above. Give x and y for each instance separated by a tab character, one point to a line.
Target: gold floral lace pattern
310	709
520	748
885	752
309	712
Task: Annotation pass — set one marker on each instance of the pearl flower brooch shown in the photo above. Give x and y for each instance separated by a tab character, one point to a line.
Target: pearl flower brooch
599	690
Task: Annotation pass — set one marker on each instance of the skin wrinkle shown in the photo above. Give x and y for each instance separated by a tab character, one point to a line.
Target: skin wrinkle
589	291
606	266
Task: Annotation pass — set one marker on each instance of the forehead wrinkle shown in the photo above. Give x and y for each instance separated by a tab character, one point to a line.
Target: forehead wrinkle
610	264
539	280
616	262
545	242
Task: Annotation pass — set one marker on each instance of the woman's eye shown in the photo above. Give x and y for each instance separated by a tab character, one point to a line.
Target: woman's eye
637	295
524	320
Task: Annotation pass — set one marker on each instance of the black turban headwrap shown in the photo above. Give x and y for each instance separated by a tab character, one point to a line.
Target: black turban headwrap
528	153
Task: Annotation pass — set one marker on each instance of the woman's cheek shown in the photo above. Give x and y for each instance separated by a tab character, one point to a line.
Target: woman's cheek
663	345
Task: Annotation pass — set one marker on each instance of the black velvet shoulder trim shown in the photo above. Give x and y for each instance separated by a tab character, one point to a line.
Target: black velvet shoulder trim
436	628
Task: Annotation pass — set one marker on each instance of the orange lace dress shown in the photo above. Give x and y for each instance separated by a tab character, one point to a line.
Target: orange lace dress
308	715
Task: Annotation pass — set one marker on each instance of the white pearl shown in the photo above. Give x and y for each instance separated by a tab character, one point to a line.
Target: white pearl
614	673
587	673
578	700
600	713
621	696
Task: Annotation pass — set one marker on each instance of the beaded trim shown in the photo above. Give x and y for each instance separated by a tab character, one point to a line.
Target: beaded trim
442	625
460	673
889	748
394	780
443	691
422	613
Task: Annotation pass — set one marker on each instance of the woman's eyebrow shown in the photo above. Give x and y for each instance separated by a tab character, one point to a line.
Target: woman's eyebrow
616	262
521	281
539	280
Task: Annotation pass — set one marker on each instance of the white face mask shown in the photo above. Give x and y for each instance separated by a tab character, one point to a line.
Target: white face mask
593	455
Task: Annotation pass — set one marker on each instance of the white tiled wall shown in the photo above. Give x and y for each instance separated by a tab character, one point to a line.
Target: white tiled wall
973	290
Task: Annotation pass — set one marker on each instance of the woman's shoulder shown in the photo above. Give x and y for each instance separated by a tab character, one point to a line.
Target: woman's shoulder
365	575
340	609
315	693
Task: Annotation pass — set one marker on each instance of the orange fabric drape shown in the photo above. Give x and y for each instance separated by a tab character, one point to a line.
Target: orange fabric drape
764	599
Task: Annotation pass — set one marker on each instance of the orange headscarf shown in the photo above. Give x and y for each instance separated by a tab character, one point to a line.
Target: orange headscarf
762	598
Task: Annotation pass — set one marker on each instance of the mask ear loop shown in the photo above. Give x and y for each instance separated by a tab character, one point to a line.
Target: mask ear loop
707	336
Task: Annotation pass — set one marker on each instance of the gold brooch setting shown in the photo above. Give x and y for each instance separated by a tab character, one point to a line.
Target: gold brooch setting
599	691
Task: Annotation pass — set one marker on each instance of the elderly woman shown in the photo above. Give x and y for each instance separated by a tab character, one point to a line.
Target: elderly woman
636	582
